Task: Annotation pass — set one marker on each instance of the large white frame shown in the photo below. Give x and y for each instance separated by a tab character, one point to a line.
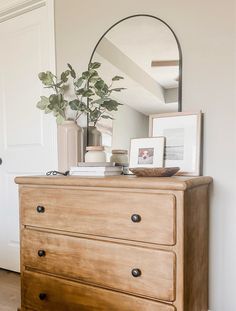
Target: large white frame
183	131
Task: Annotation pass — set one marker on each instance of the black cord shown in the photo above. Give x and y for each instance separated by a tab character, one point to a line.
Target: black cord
53	173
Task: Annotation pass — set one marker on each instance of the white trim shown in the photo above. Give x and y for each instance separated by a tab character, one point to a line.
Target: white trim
51	31
18	7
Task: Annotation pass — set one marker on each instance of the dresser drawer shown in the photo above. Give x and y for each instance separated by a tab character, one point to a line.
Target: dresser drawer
63	295
102	263
102	213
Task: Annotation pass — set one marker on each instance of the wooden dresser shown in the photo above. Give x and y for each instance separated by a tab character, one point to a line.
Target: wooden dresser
115	243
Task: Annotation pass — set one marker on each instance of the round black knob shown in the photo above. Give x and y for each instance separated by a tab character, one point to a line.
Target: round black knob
42	296
136	218
0	161
41	253
40	209
136	272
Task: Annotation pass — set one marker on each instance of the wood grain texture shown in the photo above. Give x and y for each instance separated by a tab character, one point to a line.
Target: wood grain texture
70	296
102	213
131	182
196	249
102	263
154	172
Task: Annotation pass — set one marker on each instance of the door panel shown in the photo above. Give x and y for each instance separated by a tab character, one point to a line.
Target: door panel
27	136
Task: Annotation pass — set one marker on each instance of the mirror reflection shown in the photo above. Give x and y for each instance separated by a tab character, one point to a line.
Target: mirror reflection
144	51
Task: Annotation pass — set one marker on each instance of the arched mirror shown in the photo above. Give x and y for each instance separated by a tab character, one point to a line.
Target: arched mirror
144	51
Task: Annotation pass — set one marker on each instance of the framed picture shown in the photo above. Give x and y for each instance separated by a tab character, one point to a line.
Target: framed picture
183	140
147	152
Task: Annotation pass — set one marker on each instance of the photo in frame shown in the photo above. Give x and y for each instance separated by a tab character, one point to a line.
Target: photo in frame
147	152
182	132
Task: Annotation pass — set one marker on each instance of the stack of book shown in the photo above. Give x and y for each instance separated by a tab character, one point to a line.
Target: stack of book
95	169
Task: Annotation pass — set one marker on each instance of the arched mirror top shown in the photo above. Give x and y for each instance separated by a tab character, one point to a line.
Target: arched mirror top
146	52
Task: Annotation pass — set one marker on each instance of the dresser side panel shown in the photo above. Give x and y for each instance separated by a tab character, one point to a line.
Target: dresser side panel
196	219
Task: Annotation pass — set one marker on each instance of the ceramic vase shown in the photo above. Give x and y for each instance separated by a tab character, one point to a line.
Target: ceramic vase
70	145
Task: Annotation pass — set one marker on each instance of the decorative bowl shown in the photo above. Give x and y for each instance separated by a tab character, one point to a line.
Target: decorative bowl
154	171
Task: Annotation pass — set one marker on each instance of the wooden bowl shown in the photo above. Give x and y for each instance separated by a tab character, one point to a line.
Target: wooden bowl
154	171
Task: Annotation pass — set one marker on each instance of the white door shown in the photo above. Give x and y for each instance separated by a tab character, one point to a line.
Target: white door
27	136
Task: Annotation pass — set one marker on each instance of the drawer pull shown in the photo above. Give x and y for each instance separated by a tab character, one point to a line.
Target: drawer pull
40	209
136	218
136	273
41	253
42	296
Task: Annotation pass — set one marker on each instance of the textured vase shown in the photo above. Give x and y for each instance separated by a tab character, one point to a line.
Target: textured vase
94	136
70	145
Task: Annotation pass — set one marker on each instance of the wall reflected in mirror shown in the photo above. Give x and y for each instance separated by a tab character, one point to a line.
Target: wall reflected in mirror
144	51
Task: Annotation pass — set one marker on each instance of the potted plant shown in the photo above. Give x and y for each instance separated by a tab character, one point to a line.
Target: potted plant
92	97
69	133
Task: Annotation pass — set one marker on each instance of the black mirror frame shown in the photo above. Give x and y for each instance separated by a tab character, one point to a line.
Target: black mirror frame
177	41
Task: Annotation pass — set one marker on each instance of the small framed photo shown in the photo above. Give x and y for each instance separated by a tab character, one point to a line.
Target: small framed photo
147	152
183	140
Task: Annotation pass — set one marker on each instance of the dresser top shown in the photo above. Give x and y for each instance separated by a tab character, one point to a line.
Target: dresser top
162	183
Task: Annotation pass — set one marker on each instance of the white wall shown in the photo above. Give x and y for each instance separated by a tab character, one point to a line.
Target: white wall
128	123
206	31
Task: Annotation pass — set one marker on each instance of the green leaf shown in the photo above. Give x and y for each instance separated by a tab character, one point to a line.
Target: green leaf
85	92
46	77
100	100
80	91
99	93
111	105
88	93
101	88
94	115
99	84
79	82
60	119
117	78
73	74
47	110
86	74
43	103
70	67
74	104
71	71
94	65
51	106
106	117
64	77
55	99
78	105
42	76
117	89
94	79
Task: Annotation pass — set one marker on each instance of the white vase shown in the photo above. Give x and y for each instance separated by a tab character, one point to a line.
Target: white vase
70	145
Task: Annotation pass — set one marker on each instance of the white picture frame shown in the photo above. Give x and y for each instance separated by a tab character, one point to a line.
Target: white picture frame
147	152
182	131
